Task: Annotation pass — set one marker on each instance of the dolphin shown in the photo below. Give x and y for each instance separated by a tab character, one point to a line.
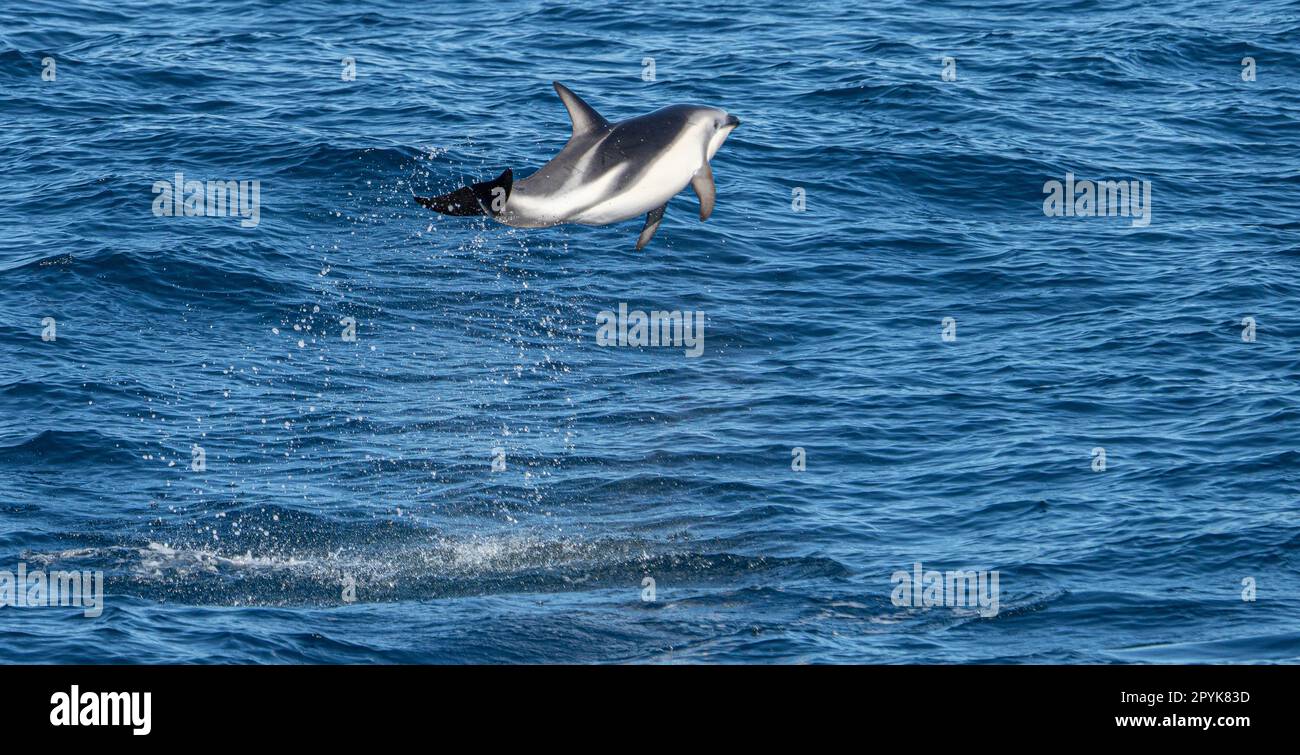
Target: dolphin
607	172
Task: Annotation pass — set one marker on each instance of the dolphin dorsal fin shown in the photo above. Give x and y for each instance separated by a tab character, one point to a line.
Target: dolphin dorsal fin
585	118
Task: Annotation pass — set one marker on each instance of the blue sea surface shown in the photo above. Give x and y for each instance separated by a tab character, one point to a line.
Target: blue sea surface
336	469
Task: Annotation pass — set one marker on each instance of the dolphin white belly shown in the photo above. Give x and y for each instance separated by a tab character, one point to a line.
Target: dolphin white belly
662	181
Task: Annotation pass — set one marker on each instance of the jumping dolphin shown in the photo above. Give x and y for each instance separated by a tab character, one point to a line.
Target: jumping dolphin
607	172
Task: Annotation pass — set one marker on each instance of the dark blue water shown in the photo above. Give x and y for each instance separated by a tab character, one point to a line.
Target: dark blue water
328	460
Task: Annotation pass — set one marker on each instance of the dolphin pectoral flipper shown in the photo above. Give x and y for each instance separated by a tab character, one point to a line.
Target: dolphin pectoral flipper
585	118
652	221
702	183
486	198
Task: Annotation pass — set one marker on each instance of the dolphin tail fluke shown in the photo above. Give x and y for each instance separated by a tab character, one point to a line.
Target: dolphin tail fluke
486	198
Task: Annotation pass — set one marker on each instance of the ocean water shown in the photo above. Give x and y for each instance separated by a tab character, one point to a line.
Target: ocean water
347	509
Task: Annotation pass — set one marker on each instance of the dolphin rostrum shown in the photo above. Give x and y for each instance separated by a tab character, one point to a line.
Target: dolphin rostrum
607	172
